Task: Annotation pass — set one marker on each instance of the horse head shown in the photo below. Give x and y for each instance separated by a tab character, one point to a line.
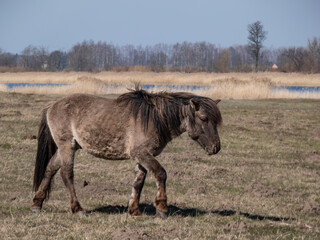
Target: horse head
202	124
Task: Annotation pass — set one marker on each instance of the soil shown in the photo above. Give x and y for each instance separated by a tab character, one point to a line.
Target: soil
236	227
29	137
197	191
217	171
96	187
312	207
261	190
129	234
313	157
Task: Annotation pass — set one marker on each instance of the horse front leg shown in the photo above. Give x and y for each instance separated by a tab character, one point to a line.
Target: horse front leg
151	164
161	198
137	186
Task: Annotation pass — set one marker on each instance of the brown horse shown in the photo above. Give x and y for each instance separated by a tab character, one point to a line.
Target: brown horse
136	125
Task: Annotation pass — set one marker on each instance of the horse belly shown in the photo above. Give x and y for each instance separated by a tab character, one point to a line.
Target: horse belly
103	144
105	149
108	154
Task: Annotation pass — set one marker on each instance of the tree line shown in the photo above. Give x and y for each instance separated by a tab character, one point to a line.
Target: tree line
183	57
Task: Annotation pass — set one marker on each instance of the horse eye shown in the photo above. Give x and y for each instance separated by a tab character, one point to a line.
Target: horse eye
205	119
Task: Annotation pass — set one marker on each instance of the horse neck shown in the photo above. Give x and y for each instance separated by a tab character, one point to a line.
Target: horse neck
176	126
184	115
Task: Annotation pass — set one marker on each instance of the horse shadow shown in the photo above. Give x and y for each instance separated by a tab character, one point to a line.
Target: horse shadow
149	210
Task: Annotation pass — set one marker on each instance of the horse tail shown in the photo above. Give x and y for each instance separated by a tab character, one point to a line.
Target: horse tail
46	149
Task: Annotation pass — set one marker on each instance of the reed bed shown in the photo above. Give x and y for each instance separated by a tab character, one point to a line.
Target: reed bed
276	78
215	85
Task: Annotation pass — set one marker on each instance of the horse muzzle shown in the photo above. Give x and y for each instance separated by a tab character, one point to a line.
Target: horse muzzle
212	150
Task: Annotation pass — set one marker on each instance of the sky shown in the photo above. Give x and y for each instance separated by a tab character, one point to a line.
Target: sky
60	24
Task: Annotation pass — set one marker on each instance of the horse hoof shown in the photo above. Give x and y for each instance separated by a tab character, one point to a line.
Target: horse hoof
135	213
137	216
35	210
161	214
82	214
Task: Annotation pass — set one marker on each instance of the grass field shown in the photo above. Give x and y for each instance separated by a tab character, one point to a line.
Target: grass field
224	86
263	184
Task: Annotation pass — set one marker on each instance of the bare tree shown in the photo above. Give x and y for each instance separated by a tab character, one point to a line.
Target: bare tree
34	58
185	56
292	59
79	57
256	36
222	62
41	54
7	59
313	55
26	57
55	61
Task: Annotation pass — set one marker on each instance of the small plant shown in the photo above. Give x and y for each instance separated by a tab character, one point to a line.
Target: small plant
6	146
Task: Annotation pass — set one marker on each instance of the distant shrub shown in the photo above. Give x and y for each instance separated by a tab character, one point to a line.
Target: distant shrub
4	69
120	69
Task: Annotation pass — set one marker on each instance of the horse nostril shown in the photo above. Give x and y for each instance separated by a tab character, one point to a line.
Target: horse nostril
217	149
212	150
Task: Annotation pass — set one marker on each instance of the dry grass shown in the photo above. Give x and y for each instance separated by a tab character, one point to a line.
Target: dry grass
278	79
263	184
225	86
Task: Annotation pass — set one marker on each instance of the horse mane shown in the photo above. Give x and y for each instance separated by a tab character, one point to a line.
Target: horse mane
164	109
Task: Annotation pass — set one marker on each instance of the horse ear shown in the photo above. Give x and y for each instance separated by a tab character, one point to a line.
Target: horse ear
194	105
217	101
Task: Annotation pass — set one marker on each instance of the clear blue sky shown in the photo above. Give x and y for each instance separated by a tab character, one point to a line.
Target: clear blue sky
59	24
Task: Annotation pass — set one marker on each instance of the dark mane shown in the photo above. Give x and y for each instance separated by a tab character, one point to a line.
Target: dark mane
165	109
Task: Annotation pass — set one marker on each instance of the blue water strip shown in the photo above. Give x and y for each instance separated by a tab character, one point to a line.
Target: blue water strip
15	85
172	87
300	89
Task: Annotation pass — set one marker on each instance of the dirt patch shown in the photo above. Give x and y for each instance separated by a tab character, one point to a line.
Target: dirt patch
217	171
197	191
261	190
178	159
176	173
196	158
313	157
182	157
236	227
129	234
96	187
12	114
316	132
21	148
29	137
167	230
311	207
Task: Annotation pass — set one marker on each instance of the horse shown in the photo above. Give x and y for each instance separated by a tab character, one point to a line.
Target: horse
137	125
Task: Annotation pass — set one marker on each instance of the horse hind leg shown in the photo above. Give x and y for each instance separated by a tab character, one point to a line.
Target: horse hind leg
45	186
138	183
66	171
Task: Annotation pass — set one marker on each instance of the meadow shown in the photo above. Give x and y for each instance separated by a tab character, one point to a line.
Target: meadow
263	184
